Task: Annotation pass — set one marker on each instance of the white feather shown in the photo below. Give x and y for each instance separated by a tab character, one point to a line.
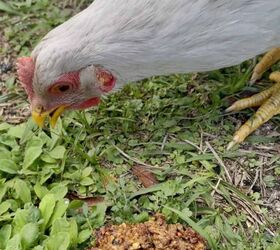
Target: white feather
137	39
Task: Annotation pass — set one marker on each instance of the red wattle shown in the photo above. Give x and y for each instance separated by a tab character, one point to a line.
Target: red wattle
88	103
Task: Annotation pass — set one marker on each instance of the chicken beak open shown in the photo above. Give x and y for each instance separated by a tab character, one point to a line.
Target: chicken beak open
54	115
40	117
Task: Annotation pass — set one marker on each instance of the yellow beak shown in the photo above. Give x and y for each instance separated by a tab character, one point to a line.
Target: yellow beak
40	118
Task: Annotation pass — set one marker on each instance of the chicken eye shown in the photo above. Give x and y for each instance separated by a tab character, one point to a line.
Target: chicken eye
59	88
63	88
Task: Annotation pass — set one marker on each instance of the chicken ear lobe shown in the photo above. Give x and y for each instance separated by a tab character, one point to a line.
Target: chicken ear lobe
25	70
105	79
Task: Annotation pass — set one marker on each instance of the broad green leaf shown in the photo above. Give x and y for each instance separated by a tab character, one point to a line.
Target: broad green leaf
75	204
17	131
28	133
47	158
84	235
40	190
34	214
22	190
20	219
6	217
4	206
29	234
14	243
10	82
187	212
5	234
3	190
46	172
2	181
8	166
59	210
59	191
45	138
5	126
98	212
73	231
86	181
87	171
46	207
8	140
5	153
60	225
38	248
31	154
63	225
59	241
14	205
35	141
58	152
173	187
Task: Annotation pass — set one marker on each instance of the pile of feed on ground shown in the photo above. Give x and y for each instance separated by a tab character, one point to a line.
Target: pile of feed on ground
154	234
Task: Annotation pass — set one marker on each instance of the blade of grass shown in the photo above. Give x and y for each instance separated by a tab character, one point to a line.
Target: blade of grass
7	8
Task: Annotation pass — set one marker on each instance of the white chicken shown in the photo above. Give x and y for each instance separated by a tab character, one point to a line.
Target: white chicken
113	42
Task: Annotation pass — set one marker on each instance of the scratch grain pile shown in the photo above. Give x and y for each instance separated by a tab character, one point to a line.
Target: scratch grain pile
154	234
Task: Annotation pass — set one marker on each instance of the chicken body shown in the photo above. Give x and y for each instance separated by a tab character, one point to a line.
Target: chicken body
138	39
113	42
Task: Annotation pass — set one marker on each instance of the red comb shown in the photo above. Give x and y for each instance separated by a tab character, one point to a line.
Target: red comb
25	70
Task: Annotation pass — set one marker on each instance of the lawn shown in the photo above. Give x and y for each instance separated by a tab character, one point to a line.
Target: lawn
155	146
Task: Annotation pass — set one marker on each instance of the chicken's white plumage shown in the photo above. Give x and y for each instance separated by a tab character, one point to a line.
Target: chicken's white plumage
137	39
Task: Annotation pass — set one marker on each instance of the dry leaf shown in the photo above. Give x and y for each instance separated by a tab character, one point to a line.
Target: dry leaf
146	177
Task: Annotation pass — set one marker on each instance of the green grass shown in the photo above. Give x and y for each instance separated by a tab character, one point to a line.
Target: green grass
174	125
